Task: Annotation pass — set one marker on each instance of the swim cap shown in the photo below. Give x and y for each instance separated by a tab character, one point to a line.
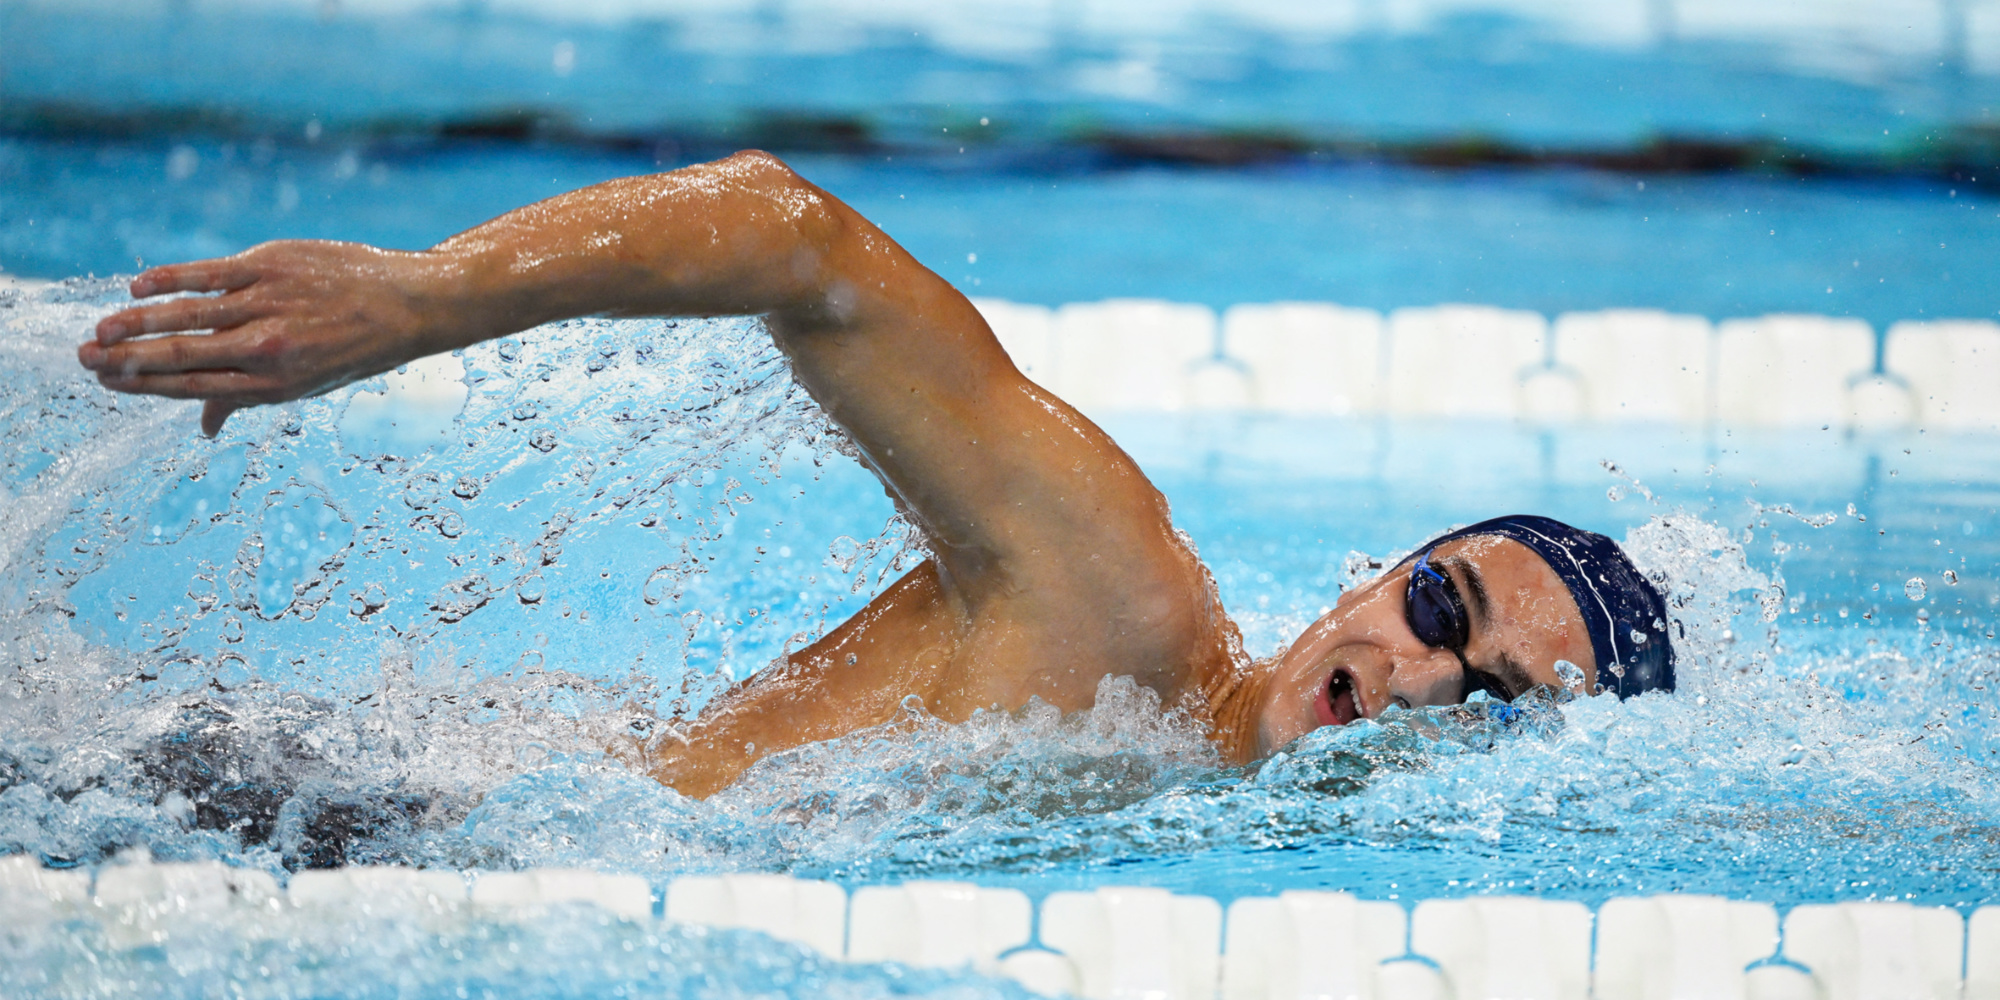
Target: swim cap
1623	612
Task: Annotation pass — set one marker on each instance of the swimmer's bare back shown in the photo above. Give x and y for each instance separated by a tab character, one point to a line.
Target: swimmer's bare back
1055	563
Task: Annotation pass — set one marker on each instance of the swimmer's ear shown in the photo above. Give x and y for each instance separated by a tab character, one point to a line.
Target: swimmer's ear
213	413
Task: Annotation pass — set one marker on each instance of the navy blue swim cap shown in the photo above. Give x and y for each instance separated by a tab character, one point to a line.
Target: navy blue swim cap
1623	612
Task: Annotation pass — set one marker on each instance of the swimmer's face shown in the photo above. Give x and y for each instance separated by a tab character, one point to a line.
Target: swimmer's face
1362	657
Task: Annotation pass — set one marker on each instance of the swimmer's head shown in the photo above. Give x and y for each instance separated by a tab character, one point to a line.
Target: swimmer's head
1503	606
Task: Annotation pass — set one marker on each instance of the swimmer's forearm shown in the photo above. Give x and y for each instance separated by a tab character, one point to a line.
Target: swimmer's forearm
740	236
297	318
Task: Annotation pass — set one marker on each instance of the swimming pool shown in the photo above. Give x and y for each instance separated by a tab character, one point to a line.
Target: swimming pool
346	635
322	639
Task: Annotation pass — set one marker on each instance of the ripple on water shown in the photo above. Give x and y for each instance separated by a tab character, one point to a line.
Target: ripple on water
311	643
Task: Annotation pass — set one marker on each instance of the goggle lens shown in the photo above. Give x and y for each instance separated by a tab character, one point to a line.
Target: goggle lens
1436	613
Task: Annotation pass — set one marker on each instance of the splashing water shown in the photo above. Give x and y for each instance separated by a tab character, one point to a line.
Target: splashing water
326	638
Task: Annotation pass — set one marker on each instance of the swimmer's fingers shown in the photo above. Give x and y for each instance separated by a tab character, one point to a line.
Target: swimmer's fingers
235	387
166	355
213	413
224	392
223	274
176	316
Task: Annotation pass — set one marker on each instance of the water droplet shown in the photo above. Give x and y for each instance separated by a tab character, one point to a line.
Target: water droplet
1923	614
1614	494
1951	578
543	441
531	589
1914	589
1569	674
663	586
1638	637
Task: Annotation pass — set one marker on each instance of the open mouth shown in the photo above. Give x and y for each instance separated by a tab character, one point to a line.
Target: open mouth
1341	697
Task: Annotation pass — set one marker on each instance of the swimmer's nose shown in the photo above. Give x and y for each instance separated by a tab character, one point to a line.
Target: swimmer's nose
1432	677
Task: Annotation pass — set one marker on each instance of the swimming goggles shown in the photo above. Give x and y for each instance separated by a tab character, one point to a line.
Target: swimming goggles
1437	617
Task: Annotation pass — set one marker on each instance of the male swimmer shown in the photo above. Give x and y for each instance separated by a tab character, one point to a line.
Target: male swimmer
1055	563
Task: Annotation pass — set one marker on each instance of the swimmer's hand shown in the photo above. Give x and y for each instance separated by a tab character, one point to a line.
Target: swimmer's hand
294	318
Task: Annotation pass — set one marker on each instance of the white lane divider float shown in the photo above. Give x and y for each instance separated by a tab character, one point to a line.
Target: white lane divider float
341	897
1878	951
1614	366
155	904
628	897
813	914
938	925
1136	944
1313	944
1689	946
33	894
1506	946
1982	955
1110	944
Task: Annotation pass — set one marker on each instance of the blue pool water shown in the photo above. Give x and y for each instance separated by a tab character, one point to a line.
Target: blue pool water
348	644
1384	237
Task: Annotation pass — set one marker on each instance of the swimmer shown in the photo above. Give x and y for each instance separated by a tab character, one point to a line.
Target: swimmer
1055	563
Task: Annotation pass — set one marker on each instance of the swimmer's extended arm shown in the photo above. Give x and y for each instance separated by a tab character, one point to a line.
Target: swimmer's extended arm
1037	518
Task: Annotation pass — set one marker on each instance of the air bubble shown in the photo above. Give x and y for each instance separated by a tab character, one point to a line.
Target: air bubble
1914	589
1950	578
1615	494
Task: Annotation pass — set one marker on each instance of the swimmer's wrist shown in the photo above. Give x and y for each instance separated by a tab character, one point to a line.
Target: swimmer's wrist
465	299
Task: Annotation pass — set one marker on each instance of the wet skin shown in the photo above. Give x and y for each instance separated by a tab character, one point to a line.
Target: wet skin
1361	658
1055	562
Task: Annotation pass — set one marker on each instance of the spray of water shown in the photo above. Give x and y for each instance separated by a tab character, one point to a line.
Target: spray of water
331	638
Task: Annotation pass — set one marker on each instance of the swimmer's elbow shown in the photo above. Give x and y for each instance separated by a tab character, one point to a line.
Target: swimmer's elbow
785	195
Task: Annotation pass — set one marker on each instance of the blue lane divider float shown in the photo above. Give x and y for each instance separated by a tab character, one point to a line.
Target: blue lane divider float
1118	943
